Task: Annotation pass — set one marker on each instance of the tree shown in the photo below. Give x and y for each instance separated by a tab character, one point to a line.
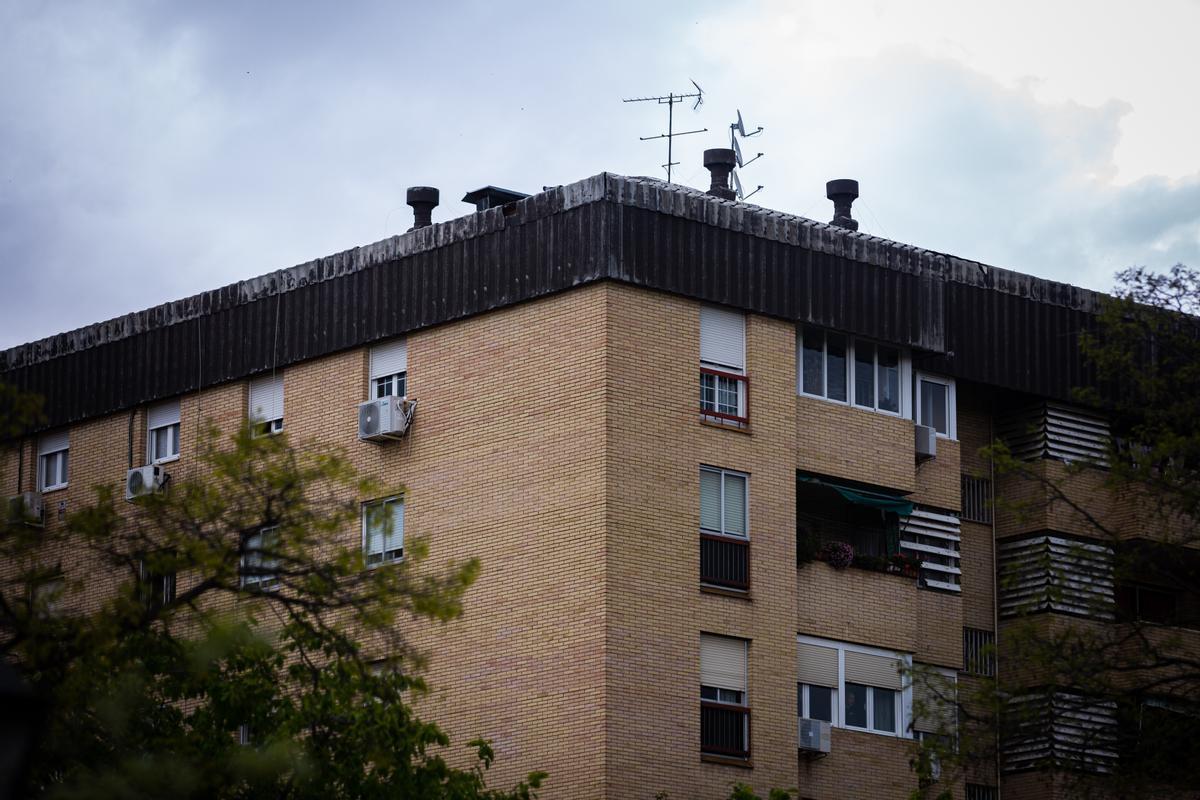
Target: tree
1125	676
235	652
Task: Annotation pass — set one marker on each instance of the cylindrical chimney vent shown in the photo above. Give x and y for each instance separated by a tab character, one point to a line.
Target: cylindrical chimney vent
423	200
843	192
720	161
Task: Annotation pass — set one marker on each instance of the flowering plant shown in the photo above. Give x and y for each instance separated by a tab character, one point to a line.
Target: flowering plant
907	564
838	555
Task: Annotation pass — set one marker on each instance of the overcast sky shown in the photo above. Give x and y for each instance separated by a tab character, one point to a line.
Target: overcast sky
152	150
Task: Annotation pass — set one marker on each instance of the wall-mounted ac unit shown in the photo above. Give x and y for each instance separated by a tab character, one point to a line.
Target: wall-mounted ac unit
26	507
926	442
814	735
384	418
141	481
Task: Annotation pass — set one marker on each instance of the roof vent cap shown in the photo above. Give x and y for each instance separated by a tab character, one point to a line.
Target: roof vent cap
720	161
423	200
843	192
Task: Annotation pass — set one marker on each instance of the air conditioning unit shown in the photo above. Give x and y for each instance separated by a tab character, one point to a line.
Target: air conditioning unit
141	481
814	735
926	442
384	418
26	507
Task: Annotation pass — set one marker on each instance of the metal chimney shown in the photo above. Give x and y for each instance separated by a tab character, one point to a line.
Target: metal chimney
423	200
720	161
492	197
843	192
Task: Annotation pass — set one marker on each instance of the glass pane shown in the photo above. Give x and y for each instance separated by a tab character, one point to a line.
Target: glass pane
856	705
735	505
933	406
889	379
729	696
708	392
820	703
710	500
383	386
63	471
161	443
395	539
727	397
811	355
49	470
835	361
708	693
864	374
402	385
885	710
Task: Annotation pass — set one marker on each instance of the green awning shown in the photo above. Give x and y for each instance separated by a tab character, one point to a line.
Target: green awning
864	497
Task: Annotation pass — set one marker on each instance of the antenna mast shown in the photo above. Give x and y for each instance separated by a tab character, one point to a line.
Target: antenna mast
669	100
737	129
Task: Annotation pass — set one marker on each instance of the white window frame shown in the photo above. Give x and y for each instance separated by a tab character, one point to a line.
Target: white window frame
904	365
806	707
267	581
951	404
266	426
903	695
366	533
60	457
745	502
169	410
393	352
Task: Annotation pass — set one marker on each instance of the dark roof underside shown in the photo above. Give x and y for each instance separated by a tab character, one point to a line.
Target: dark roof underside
972	321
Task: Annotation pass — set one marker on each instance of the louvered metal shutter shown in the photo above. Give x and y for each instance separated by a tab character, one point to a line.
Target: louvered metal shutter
723	662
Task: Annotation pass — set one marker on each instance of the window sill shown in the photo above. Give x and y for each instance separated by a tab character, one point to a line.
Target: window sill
166	460
56	488
728	761
743	427
722	591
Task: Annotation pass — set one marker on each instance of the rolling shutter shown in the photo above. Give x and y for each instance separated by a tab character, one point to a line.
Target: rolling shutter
266	398
872	670
818	665
710	500
934	702
53	442
389	359
723	338
162	415
723	662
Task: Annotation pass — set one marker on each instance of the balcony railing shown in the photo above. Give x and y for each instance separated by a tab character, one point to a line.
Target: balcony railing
724	396
725	561
724	729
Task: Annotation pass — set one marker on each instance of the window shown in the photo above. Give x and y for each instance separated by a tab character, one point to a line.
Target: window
936	405
156	587
724	712
724	545
723	396
245	735
260	562
383	530
266	404
851	686
389	370
840	368
162	424
53	461
935	704
976	499
1146	603
979	652
978	791
46	595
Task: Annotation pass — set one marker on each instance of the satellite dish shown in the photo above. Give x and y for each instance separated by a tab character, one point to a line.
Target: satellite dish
737	152
741	127
737	184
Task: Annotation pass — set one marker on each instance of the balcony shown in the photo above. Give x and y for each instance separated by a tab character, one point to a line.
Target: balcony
725	562
724	730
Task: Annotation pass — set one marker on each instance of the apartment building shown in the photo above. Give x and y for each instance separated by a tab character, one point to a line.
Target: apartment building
720	464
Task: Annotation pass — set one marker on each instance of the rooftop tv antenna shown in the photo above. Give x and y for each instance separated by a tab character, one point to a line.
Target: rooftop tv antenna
738	129
669	100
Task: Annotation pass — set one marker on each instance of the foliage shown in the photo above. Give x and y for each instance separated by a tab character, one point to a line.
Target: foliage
743	791
838	555
286	639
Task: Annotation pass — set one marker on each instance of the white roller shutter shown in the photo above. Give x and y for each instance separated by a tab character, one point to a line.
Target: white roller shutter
723	662
872	670
818	665
934	702
389	359
723	338
162	415
266	398
53	442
